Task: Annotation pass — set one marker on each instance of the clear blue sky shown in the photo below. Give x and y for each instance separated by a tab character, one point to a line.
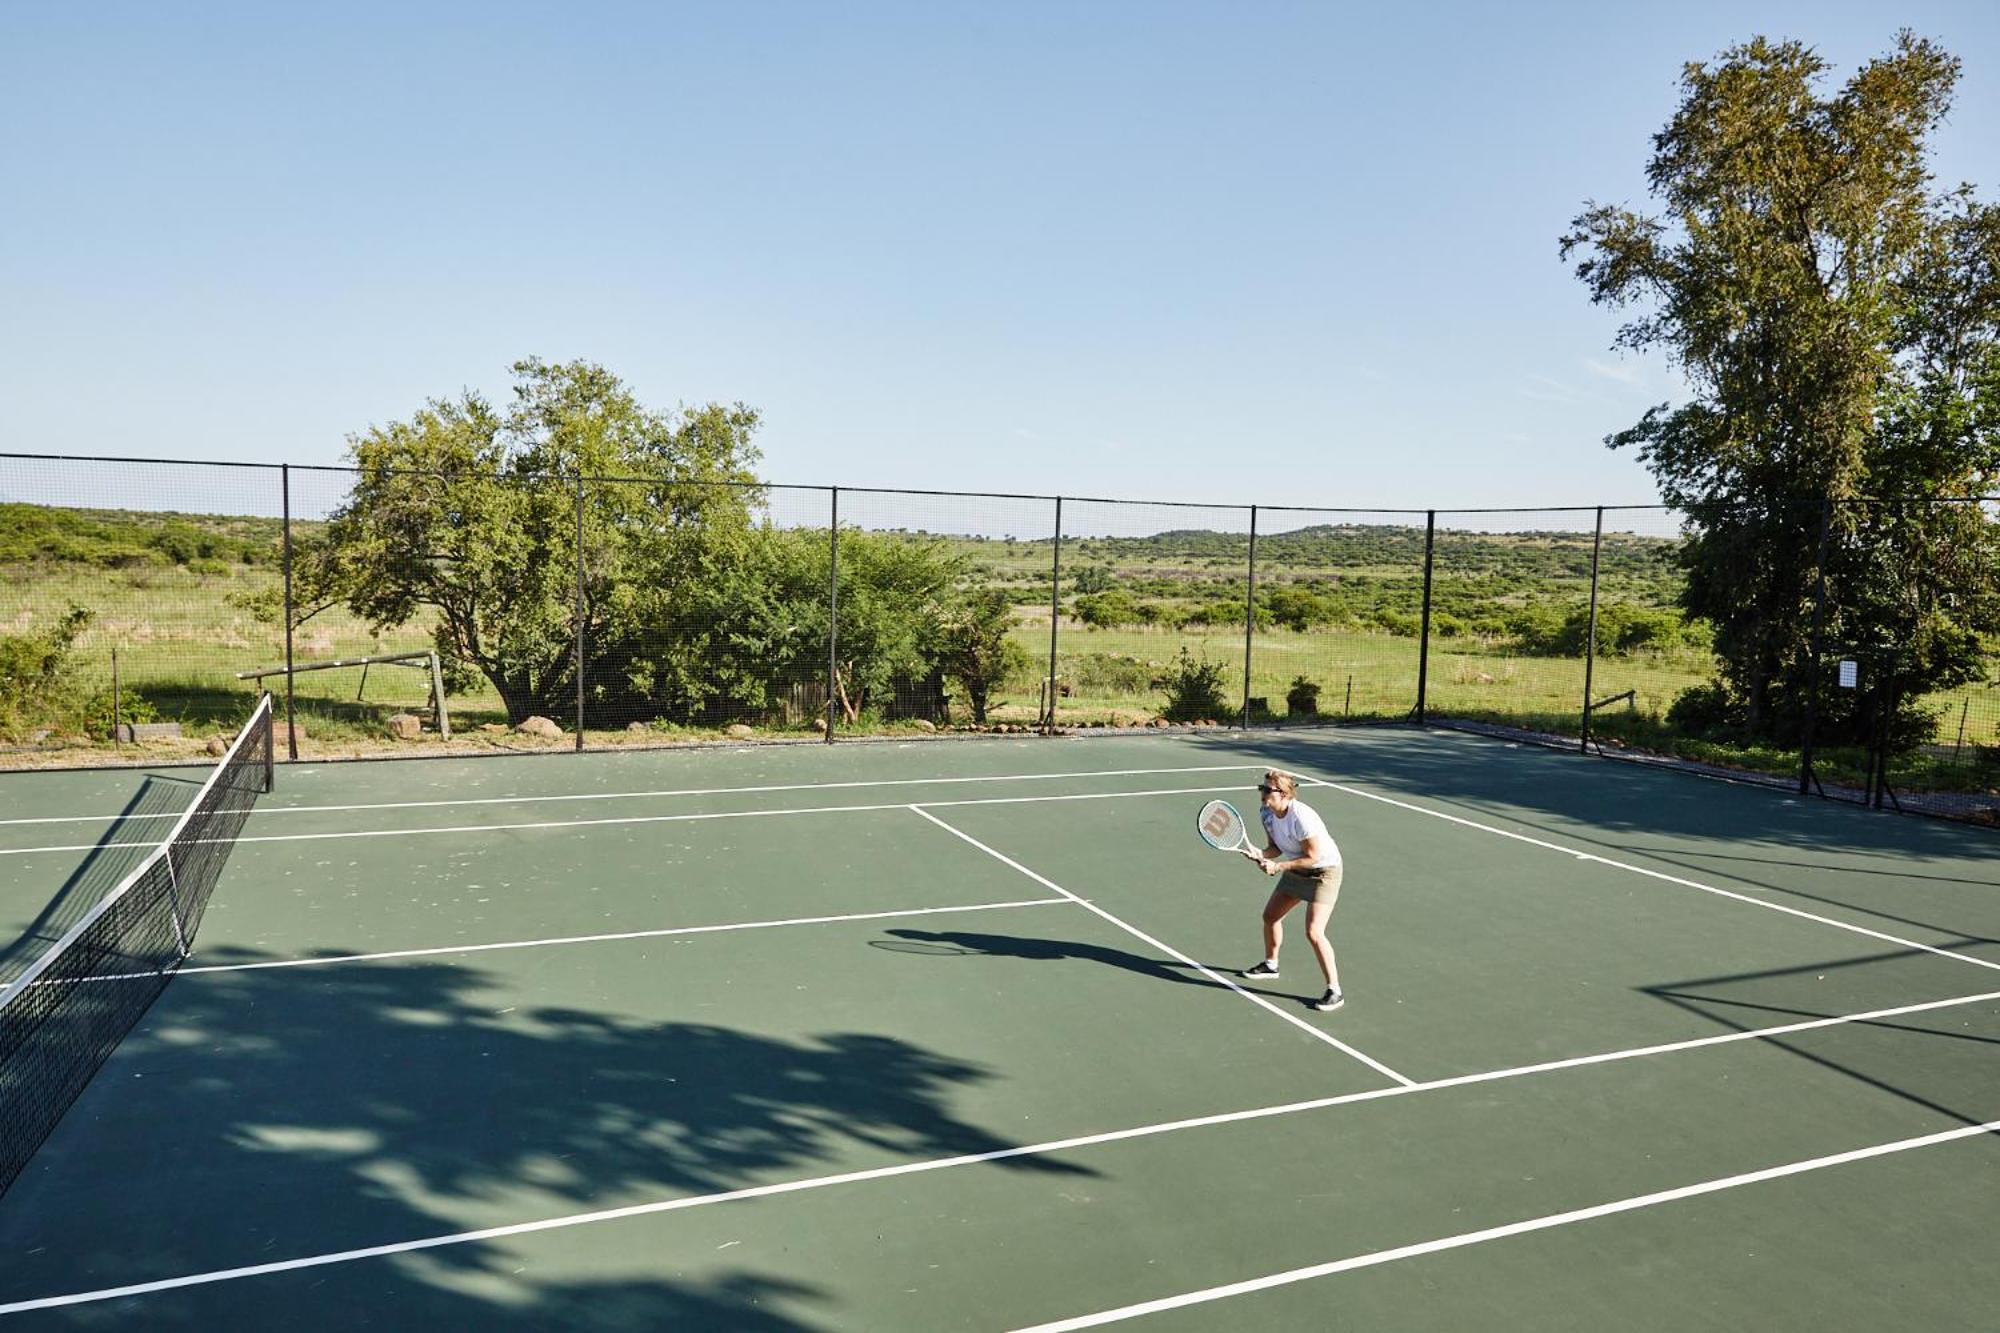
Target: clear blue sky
1245	251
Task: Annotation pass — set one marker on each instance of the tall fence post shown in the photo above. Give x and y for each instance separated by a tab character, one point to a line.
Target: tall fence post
833	618
579	609
285	505
1590	642
1250	616
1813	651
1424	634
1055	616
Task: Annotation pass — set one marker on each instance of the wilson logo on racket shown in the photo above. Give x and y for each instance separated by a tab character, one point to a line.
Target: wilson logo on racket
1223	829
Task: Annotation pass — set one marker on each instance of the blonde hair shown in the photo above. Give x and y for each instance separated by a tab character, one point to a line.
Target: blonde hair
1280	780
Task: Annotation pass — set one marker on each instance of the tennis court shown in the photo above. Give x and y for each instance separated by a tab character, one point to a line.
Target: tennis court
949	1035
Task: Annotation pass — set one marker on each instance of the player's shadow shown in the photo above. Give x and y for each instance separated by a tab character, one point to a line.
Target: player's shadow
1035	949
268	1114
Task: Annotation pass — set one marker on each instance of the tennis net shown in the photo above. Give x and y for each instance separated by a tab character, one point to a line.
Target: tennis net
63	1016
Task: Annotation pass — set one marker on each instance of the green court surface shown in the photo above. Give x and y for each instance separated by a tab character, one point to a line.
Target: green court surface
949	1035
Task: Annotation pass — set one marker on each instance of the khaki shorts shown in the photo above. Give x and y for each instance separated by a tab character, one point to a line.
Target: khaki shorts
1312	886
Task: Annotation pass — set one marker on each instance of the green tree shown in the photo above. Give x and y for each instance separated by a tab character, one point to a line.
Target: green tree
472	514
1836	323
976	649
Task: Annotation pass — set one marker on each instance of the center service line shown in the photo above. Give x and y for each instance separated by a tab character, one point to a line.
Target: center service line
1251	996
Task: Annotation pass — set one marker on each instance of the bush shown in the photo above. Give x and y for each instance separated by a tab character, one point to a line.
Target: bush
1194	689
1296	609
1399	623
1107	610
1110	673
1302	700
35	687
1704	710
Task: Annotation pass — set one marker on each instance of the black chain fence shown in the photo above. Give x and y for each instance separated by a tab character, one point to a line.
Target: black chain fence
144	603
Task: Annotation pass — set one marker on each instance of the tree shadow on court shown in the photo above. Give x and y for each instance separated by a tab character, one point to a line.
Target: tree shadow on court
270	1114
1035	949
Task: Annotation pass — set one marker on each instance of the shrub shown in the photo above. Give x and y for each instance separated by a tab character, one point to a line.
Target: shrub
1296	608
1194	688
1107	610
34	681
1110	673
1302	700
1703	710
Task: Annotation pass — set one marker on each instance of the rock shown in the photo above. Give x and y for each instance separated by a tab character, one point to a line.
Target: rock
819	724
924	724
636	728
218	746
539	726
406	726
493	728
736	731
1483	678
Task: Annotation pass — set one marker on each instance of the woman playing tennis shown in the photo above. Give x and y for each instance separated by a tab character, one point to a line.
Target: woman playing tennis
1302	855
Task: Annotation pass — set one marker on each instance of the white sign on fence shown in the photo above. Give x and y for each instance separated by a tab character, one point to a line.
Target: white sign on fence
1850	674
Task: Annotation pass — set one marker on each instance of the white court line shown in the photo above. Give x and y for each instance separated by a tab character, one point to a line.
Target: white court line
661	933
1463	1239
645	795
636	819
1656	874
1134	931
946	1163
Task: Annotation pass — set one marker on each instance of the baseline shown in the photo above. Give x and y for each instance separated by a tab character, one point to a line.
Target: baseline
1521	1228
648	795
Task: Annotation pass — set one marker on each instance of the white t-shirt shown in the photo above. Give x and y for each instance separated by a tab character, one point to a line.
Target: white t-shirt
1290	830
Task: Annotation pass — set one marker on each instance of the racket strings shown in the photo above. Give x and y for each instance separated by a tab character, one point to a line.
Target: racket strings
1221	823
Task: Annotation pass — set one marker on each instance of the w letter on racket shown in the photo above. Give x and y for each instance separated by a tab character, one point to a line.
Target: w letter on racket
1223	829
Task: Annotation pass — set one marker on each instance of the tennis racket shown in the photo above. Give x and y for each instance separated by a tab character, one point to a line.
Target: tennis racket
1223	829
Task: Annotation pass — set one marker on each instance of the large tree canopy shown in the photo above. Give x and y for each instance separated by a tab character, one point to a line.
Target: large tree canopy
1838	323
473	513
690	606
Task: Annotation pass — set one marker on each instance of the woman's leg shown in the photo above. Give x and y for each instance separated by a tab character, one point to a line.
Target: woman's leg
1274	913
1317	915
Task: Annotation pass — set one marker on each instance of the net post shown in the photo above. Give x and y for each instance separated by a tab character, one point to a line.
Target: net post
1424	634
1055	614
1590	640
579	605
1249	617
270	746
291	612
833	616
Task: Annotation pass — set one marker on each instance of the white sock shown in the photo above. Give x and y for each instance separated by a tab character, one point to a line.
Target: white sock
1270	962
